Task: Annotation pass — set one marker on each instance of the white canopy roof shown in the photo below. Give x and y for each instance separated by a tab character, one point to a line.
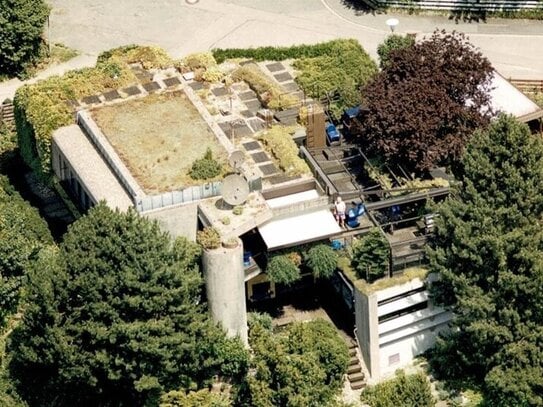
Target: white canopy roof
299	228
508	99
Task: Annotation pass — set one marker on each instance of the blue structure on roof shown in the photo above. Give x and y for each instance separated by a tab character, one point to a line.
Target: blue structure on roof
332	133
354	214
352	112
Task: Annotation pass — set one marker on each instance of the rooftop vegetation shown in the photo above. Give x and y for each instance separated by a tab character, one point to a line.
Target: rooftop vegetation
43	107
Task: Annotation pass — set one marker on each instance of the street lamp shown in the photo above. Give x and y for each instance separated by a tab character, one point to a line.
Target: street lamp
392	23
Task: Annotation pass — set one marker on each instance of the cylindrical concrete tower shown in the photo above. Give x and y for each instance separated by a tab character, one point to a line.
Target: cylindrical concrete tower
225	287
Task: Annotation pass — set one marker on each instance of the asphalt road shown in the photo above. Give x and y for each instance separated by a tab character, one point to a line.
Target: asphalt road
90	26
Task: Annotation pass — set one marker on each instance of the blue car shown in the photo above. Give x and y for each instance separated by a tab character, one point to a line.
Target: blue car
332	133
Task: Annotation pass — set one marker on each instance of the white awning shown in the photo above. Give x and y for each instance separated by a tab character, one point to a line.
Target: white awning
298	229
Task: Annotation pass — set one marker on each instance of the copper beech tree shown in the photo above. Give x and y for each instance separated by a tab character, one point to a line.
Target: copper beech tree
426	102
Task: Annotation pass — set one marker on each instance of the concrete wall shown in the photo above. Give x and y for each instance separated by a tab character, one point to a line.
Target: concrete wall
225	287
178	220
366	322
393	343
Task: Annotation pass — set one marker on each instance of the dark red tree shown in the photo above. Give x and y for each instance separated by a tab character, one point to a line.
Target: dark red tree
426	102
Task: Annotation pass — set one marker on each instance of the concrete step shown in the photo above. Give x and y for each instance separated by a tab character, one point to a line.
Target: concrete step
353	361
358	385
352	352
354	369
355	377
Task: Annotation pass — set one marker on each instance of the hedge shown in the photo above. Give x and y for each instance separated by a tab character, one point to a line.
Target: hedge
279	53
42	108
284	149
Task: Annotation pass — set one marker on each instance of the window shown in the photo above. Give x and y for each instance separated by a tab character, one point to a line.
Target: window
394	359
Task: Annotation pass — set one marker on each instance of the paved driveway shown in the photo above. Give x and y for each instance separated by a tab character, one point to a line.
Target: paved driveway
91	26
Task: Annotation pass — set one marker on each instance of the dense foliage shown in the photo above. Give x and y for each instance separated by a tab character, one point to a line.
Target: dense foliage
201	398
278	141
425	104
23	234
322	260
335	69
205	168
22	23
402	391
43	107
370	256
279	53
488	251
391	44
298	367
281	269
114	319
338	75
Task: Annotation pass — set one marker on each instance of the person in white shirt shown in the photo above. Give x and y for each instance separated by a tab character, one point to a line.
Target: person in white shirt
339	210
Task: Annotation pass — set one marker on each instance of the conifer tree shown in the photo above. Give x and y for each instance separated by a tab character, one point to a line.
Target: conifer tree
488	252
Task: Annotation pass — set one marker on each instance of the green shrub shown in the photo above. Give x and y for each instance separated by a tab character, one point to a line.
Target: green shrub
238	210
225	220
403	391
199	60
213	75
200	398
209	238
8	146
205	168
340	74
280	143
278	53
282	270
259	319
370	256
268	92
391	44
148	56
322	260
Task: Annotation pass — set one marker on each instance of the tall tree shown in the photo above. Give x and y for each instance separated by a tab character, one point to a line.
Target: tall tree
301	366
488	251
114	319
426	102
391	44
21	26
23	234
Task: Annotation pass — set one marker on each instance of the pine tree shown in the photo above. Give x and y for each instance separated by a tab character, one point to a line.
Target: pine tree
115	318
488	252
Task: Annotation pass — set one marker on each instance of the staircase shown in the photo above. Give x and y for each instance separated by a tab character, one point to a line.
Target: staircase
7	116
355	375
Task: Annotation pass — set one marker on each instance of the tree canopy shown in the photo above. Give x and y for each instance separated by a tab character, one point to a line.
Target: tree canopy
423	106
392	43
488	252
114	318
402	391
371	255
23	234
21	26
298	367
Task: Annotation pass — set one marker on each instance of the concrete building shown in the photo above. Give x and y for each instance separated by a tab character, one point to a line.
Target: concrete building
392	322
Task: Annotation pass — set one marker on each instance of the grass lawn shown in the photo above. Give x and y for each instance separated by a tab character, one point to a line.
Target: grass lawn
158	138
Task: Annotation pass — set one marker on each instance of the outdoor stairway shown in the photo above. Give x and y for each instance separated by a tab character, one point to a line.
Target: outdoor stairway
355	375
7	115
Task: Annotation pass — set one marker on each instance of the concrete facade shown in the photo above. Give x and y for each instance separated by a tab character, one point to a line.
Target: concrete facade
225	288
396	324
